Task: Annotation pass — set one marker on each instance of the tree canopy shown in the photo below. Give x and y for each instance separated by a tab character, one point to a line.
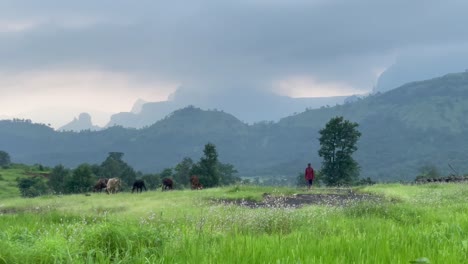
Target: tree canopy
337	144
4	158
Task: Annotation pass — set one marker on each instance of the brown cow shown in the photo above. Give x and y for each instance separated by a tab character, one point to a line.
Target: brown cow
100	184
195	181
167	184
113	185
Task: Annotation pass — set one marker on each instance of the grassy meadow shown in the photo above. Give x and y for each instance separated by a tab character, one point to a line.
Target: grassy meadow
421	223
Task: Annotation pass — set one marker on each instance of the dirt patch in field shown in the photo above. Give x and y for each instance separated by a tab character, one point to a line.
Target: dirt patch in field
299	200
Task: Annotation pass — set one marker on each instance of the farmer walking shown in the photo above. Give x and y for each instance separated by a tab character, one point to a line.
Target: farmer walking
309	176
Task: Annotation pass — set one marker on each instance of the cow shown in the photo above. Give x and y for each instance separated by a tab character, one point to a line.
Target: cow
113	185
100	184
167	184
138	185
195	181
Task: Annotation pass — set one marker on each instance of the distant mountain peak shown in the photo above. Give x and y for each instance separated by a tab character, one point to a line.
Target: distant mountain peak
138	105
83	122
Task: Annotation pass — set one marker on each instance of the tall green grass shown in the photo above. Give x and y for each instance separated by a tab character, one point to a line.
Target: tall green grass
411	222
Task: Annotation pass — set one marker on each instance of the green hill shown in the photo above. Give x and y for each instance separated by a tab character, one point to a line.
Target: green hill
416	124
420	123
8	176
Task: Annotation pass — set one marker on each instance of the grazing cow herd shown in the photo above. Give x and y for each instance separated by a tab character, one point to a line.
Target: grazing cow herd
114	185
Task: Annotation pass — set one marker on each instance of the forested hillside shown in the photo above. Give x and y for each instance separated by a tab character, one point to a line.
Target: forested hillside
421	123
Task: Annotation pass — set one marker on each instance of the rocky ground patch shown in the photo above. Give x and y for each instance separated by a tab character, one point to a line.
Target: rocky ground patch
301	199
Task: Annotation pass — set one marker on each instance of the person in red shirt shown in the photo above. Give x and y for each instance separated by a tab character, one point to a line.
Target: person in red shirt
309	176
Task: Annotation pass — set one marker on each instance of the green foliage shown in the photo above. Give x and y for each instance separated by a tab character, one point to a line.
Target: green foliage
115	167
211	171
337	143
32	186
207	168
428	171
300	180
82	179
227	174
182	173
365	181
152	181
58	179
4	159
166	173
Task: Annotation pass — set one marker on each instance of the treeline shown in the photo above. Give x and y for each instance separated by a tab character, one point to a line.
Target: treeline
62	180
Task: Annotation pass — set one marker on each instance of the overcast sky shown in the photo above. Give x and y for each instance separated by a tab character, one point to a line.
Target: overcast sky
65	57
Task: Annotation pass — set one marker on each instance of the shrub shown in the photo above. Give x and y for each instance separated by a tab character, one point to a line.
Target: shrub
32	186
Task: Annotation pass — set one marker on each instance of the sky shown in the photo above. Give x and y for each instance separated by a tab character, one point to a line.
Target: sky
60	58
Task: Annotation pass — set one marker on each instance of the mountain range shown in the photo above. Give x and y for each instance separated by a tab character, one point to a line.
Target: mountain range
417	124
250	107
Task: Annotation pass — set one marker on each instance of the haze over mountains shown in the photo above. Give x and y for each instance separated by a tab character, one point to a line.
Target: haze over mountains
422	64
250	107
420	123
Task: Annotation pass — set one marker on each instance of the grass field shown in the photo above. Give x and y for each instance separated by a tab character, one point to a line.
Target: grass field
425	223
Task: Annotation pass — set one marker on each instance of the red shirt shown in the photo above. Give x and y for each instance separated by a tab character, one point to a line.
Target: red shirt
309	173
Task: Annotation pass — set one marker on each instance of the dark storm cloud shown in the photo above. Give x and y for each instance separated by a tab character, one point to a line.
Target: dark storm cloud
228	44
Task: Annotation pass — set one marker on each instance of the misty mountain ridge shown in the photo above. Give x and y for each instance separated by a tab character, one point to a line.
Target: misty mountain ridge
439	103
421	65
404	129
249	107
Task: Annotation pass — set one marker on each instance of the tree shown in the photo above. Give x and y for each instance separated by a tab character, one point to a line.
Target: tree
227	174
182	172
207	168
166	173
152	181
57	179
82	179
337	143
4	159
115	167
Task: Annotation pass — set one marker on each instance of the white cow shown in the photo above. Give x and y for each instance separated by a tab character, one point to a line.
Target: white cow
113	185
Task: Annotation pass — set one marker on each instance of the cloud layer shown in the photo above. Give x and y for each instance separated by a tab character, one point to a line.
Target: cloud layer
208	46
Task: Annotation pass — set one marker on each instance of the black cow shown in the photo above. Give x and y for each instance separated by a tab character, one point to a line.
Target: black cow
138	185
167	184
100	184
